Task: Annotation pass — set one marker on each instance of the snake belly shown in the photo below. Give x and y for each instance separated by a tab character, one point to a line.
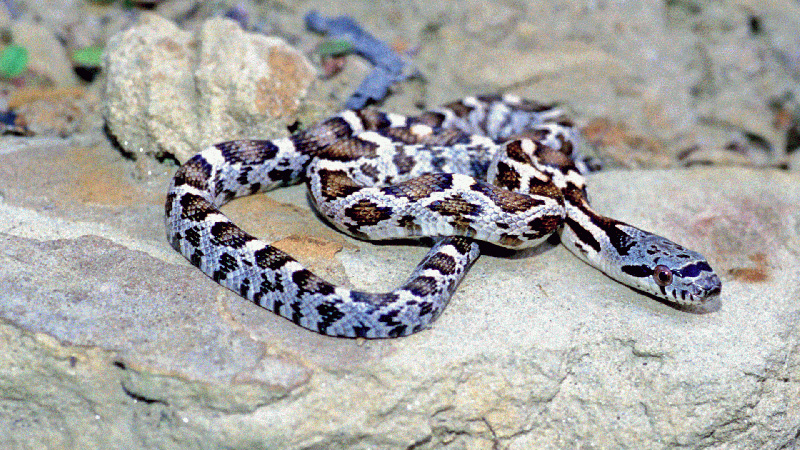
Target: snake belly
494	169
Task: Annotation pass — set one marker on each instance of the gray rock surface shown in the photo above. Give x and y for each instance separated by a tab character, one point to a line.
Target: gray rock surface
111	339
46	55
648	81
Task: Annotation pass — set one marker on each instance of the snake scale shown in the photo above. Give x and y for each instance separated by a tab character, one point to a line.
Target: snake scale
495	169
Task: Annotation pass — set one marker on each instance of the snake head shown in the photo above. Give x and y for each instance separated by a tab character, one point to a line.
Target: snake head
670	271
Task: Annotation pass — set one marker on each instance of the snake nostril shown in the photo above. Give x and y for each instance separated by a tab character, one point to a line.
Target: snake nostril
713	292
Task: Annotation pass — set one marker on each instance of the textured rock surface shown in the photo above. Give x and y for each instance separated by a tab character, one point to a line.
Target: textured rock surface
106	328
174	92
655	80
666	76
109	339
46	55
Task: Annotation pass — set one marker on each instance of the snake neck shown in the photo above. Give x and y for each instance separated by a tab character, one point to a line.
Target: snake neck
593	238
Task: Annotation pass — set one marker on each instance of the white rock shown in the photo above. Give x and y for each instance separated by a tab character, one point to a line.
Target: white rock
173	92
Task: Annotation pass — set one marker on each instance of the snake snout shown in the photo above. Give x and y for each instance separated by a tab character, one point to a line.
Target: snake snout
711	289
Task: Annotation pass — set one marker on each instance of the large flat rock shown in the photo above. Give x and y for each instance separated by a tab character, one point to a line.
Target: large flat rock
109	338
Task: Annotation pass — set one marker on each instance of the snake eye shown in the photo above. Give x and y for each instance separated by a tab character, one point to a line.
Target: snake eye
662	275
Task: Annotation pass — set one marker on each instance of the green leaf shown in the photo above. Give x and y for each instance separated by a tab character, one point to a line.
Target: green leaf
13	61
88	57
334	48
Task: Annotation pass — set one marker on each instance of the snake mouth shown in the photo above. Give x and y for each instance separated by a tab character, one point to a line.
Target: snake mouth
709	294
714	292
699	296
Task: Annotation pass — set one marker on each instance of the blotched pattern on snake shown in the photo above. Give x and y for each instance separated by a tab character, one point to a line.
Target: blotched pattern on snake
494	169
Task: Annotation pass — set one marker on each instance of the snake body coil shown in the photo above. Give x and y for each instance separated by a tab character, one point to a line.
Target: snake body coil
493	169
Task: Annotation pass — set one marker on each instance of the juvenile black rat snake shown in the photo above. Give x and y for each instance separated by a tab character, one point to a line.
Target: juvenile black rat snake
492	169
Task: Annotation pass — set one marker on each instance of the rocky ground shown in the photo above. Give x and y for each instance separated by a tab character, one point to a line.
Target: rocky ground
110	339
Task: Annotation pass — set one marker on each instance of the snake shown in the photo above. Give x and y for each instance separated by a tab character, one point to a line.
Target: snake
492	170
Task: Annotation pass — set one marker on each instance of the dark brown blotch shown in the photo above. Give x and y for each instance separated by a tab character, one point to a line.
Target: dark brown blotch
542	226
507	177
575	196
271	258
227	234
420	187
372	119
403	161
247	151
585	237
349	149
193	237
195	173
421	286
408	222
168	205
370	170
330	313
438	136
618	238
336	184
441	262
455	205
508	201
461	244
320	136
545	189
516	153
195	207
308	282
366	212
